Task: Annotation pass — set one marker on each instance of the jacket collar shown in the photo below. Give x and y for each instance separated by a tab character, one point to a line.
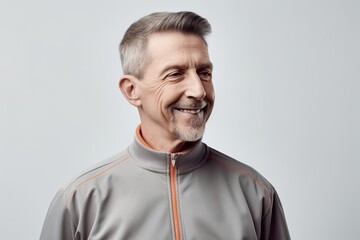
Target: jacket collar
156	161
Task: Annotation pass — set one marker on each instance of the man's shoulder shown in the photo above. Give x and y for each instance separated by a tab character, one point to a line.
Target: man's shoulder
237	167
231	162
95	172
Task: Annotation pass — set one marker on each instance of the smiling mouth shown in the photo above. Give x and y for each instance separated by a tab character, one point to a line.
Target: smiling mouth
191	111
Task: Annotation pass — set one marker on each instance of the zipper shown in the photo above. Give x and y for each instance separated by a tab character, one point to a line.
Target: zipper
174	203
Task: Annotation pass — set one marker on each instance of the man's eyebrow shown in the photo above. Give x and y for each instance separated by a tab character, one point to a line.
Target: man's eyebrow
173	66
205	65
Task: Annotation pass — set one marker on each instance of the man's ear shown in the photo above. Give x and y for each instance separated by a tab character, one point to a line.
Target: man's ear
128	87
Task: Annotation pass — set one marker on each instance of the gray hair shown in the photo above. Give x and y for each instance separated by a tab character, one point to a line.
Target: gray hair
132	48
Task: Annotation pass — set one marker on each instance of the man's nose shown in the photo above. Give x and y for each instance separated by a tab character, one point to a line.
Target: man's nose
194	87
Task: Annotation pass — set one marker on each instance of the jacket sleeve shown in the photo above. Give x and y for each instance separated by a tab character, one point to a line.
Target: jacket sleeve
274	225
58	223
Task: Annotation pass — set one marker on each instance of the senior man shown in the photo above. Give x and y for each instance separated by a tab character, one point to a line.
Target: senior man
167	184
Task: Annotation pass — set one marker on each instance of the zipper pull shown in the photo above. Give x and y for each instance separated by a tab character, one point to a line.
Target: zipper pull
173	159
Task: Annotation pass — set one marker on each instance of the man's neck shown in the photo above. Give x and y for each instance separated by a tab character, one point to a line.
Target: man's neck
165	145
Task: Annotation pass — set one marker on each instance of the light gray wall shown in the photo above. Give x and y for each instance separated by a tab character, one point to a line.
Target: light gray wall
287	85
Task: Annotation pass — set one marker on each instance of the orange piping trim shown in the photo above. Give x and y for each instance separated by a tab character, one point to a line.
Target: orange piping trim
267	196
86	180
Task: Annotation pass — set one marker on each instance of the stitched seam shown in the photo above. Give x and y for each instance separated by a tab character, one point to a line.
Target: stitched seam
91	178
254	178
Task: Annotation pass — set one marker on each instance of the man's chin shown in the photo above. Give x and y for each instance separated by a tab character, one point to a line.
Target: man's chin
189	134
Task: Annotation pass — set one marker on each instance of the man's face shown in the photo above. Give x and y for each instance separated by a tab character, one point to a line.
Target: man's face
176	92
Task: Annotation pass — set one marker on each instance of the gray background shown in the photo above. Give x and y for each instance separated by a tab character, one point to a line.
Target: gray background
287	89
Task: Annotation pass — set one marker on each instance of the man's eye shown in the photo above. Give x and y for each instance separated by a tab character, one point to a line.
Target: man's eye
205	75
173	75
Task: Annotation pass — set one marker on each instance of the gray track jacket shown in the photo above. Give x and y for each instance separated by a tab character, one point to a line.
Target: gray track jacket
142	194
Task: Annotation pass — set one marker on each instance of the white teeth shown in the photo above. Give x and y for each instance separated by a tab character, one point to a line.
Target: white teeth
192	111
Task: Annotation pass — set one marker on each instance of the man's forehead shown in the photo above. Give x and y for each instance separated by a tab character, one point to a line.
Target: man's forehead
163	44
176	50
